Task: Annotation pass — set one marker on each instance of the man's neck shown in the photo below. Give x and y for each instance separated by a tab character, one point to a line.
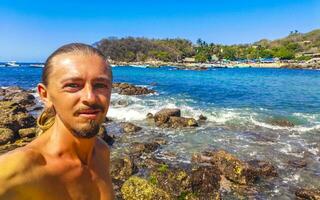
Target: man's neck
64	144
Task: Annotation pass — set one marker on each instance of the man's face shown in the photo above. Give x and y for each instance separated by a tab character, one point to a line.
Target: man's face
79	88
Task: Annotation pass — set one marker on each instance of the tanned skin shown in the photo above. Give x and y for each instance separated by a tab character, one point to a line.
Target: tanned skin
59	164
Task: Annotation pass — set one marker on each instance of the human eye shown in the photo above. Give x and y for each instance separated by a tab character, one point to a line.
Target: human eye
72	86
100	85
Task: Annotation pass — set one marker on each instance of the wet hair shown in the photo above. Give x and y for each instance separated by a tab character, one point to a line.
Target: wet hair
47	117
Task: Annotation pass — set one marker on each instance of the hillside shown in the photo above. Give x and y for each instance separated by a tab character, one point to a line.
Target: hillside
296	46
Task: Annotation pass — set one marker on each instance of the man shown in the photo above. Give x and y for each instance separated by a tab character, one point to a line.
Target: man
67	161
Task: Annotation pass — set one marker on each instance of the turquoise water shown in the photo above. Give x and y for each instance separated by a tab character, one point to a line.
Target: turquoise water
239	104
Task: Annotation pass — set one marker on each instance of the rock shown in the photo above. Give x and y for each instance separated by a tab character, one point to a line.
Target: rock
163	115
122	168
297	163
15	116
22	98
308	194
120	103
27	132
160	141
25	120
202	118
176	122
139	148
262	168
104	136
6	135
174	181
151	147
38	108
281	122
128	127
149	116
128	89
206	182
230	166
140	189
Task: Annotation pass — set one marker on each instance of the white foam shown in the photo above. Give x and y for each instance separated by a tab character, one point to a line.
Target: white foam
295	128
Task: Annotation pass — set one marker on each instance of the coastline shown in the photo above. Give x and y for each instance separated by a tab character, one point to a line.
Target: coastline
231	64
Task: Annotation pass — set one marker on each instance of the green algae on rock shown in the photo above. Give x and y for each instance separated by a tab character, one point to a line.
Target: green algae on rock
140	189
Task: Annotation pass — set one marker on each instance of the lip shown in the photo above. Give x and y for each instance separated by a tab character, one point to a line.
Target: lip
90	114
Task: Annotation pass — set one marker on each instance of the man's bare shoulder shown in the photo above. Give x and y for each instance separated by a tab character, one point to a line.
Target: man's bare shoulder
102	146
18	165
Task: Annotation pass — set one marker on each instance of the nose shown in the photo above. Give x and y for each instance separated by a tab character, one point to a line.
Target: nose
89	95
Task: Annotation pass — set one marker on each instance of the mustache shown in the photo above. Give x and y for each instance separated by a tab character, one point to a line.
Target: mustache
91	107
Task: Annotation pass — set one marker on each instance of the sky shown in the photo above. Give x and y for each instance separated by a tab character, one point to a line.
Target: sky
31	30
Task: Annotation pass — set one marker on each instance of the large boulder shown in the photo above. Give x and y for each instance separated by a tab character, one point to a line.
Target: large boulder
164	115
175	181
128	89
234	169
141	189
6	135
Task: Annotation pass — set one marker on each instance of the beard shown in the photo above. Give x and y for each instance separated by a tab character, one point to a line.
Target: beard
87	131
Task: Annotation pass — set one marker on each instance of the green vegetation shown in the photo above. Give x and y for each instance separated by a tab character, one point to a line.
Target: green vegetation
153	180
163	168
132	49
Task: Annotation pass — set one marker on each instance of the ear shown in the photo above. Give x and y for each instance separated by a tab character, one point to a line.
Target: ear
43	93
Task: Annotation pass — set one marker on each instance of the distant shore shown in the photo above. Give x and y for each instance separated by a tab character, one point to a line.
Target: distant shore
231	64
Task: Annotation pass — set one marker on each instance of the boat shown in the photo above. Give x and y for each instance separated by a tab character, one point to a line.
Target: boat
12	64
36	65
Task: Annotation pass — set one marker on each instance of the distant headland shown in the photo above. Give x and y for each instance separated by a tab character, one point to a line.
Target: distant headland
297	50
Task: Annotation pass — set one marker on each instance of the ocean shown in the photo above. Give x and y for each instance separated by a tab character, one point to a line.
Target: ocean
241	105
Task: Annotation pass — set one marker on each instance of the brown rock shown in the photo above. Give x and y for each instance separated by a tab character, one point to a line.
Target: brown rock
262	168
128	89
202	118
297	163
176	122
27	132
6	135
130	127
206	182
308	194
163	115
281	122
122	168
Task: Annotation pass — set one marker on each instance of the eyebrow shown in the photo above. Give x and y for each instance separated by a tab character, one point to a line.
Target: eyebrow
102	79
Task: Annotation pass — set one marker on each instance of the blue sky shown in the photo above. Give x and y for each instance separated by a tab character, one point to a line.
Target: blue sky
31	30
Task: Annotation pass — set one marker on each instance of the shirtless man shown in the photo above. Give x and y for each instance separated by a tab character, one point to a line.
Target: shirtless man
67	161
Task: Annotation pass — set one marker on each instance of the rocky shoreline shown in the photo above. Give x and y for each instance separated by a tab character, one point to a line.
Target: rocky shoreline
137	173
231	64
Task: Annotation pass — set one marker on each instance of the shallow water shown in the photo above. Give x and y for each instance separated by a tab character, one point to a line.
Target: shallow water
239	104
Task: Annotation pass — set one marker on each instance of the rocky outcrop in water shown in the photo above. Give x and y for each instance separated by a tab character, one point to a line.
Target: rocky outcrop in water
171	118
234	169
281	122
130	128
129	89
